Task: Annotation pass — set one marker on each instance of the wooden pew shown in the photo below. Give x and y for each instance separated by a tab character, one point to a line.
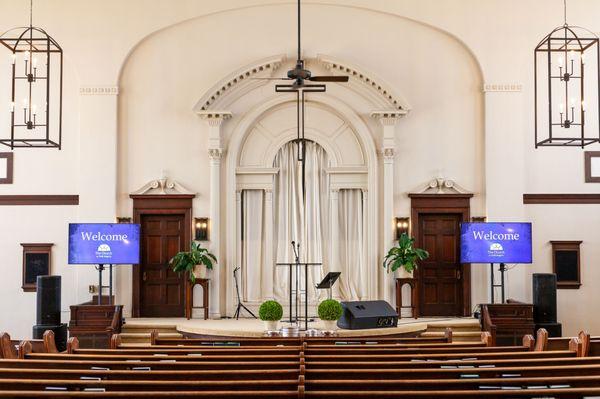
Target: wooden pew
196	364
231	394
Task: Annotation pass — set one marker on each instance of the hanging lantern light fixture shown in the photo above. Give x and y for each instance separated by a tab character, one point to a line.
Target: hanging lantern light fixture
34	108
567	87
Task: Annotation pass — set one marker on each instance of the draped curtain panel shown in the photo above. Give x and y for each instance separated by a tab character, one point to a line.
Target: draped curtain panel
304	218
253	244
352	248
301	218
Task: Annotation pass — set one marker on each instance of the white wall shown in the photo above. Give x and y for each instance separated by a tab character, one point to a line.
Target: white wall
164	54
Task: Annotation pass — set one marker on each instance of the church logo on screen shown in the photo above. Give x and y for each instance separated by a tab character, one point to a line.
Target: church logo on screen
104	251
496	247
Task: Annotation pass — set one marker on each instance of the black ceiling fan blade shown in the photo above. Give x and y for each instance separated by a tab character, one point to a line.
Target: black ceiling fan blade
340	79
270	79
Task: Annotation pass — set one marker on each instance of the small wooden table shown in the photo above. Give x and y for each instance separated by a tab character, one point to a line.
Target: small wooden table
414	291
189	297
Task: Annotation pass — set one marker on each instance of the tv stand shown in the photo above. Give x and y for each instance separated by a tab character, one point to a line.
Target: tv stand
502	269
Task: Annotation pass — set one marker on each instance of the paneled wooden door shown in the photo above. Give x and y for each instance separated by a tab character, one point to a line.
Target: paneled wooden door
441	292
161	289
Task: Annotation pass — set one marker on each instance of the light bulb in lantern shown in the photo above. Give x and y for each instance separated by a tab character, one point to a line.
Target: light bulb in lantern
582	58
33	109
583	105
25	103
561	62
561	108
13	59
12	106
572	102
571	55
34	62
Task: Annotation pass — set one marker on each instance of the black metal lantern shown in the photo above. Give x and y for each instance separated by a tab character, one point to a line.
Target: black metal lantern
35	107
567	88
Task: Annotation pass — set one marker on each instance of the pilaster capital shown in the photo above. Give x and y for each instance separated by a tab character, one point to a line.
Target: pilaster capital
388	153
388	117
215	154
214	118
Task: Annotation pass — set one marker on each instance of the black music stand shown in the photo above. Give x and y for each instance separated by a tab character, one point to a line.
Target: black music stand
328	281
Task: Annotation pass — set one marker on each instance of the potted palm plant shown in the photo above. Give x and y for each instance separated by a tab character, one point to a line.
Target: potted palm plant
270	312
195	262
404	255
329	312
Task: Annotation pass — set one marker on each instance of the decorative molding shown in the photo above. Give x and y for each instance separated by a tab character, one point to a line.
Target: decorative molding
214	118
8	178
374	83
99	90
441	185
256	171
215	153
388	118
503	87
561	198
39	199
242	75
162	186
388	153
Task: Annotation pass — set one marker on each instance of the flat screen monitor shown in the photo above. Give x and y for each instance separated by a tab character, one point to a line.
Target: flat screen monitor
104	243
495	243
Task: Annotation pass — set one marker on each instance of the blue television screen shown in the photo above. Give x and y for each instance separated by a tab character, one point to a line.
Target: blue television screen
495	243
104	243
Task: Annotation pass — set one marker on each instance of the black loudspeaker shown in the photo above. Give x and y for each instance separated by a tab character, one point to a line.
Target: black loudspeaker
544	297
48	311
48	300
361	315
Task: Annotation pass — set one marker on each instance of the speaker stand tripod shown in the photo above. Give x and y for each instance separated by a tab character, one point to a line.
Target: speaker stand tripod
240	305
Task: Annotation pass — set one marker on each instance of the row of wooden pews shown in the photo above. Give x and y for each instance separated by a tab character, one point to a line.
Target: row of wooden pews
304	368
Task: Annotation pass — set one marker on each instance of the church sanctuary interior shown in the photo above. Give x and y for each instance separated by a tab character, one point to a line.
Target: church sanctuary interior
299	199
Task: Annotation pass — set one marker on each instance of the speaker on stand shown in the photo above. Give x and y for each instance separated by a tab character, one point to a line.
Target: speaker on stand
48	311
544	303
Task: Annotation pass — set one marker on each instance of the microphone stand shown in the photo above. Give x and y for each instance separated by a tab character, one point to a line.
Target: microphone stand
296	248
240	305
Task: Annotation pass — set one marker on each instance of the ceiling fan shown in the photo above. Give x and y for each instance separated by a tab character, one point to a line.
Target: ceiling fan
301	78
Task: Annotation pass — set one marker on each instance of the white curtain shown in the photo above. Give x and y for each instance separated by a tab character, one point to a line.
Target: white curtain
352	246
253	244
301	217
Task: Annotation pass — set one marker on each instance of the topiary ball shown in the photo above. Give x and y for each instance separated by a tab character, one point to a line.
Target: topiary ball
330	309
270	311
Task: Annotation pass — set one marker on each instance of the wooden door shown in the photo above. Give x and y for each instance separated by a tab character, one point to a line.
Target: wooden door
440	275
161	289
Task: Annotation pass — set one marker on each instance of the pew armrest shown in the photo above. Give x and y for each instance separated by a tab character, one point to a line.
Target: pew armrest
488	325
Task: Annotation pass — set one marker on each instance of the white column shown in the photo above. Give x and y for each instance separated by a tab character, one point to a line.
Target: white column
269	274
97	185
388	120
365	211
238	253
214	121
335	238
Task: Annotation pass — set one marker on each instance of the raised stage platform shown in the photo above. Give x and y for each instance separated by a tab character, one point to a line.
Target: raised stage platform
136	330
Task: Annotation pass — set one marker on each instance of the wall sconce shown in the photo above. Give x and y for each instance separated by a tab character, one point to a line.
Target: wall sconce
201	229
402	225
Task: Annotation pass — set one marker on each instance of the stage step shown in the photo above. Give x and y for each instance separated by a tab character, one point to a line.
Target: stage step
133	334
467	330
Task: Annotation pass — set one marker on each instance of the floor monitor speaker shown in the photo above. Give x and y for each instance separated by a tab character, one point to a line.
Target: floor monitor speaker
360	315
544	297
